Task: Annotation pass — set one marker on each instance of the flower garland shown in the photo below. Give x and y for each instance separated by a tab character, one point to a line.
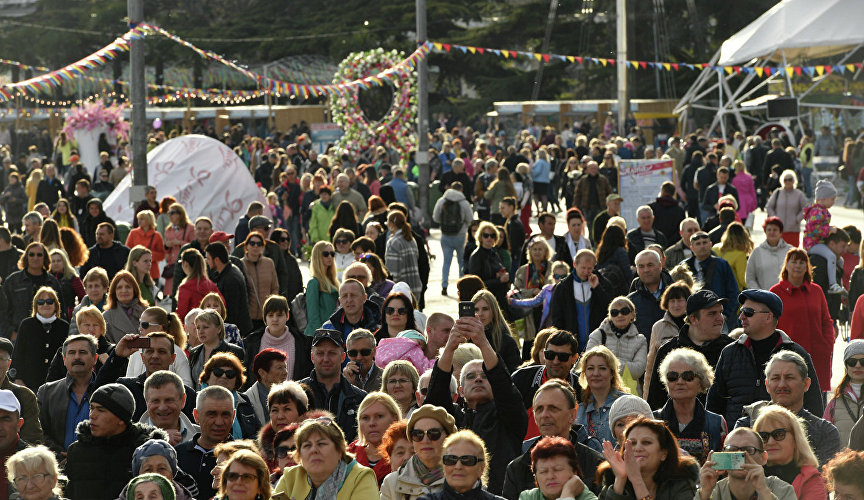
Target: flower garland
396	128
93	115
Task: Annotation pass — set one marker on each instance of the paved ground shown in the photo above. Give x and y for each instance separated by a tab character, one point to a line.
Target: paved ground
435	302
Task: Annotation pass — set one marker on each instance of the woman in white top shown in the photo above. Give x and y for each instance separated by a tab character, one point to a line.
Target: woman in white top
155	319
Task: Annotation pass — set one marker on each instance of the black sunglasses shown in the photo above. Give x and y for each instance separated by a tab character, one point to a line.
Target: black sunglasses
31	254
327	253
341	241
467	460
624	310
433	434
402	311
750	312
559	276
223	372
854	361
284	451
147	324
423	390
42	302
777	434
353	353
562	356
255	243
688	376
750	450
489	235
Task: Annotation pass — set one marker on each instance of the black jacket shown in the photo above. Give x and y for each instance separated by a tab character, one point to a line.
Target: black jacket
712	196
739	382
49	191
648	309
501	423
35	349
820	277
9	261
371	319
223	346
112	259
99	467
232	283
301	355
448	493
88	224
196	462
668	215
563	312
249	424
342	401
777	156
516	235
636	242
520	478
16	298
657	395
529	378
705	176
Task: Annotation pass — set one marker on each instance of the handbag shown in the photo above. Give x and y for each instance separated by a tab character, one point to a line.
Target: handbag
168	271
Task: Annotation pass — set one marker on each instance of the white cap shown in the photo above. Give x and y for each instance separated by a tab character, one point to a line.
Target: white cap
9	402
403	288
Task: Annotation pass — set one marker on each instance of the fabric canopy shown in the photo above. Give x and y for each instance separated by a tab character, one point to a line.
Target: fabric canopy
804	29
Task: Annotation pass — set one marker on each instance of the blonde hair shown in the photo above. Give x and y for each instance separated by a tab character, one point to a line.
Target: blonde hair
135	255
538	240
147	214
736	237
212	317
498	326
468	436
53	295
326	276
31	460
776	414
478	234
400	366
68	270
611	362
181	211
91	312
329	430
373	397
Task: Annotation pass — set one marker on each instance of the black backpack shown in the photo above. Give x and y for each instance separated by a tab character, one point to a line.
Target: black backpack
451	218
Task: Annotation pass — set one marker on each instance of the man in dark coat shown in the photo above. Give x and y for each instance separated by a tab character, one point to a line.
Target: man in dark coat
580	301
719	188
232	284
668	213
640	237
837	242
107	253
647	289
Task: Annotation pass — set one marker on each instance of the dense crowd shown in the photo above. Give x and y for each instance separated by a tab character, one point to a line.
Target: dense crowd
607	362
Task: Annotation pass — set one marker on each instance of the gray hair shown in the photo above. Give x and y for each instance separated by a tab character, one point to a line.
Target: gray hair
685	221
454	384
644	208
692	358
216	392
788	357
465	368
491	163
163	377
789	173
648	252
34	217
359	334
363	267
189	320
31	460
91	342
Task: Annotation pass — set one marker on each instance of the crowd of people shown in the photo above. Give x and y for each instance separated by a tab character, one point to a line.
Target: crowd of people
607	362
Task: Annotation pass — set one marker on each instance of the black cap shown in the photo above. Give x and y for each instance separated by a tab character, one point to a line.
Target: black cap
6	345
703	299
323	334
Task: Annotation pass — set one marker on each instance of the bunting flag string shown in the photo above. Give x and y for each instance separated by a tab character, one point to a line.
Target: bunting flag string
25	67
760	71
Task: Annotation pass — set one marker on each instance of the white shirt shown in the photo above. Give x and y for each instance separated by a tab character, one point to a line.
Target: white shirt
180	366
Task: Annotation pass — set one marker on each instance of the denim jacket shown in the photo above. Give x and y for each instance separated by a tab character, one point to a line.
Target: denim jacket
596	420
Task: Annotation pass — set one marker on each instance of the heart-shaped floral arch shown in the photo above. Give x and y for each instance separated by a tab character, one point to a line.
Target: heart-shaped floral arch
397	128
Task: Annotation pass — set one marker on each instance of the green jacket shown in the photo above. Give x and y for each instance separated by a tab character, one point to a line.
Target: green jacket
319	306
535	494
319	223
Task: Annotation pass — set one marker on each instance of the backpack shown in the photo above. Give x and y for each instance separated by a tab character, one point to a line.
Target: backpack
298	311
451	218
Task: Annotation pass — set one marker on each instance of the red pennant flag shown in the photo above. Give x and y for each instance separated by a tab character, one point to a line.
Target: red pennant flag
513	54
546	57
798	70
643	64
481	50
446	47
611	61
858	65
828	69
579	60
737	69
767	70
675	65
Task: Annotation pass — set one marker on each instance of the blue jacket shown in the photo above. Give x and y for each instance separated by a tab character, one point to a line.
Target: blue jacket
705	433
720	279
599	417
402	191
540	171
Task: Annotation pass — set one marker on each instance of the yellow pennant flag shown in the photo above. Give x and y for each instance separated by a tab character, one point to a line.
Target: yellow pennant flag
850	67
572	59
438	46
473	50
820	70
760	71
603	62
728	69
537	56
789	71
667	66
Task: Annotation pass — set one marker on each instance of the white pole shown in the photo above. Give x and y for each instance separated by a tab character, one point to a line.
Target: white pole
622	64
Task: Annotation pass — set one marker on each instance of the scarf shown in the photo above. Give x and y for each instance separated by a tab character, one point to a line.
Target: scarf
618	331
330	487
128	308
44	320
536	277
787	472
427	476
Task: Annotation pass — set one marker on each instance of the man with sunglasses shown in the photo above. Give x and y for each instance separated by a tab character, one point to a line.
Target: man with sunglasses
747	482
740	374
702	331
556	362
714	274
362	370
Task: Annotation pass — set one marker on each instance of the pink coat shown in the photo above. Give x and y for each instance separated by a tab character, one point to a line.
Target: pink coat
395	348
809	485
747	203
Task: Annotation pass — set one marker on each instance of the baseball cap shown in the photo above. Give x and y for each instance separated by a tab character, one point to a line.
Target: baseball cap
8	401
703	299
323	334
220	236
614	196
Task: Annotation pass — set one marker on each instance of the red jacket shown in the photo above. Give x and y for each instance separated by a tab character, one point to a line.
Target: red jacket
858	319
806	320
191	292
808	484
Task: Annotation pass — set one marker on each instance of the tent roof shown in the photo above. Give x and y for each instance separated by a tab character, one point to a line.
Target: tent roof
805	29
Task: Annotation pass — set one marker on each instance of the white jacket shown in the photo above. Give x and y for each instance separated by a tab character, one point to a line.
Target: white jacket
631	349
765	264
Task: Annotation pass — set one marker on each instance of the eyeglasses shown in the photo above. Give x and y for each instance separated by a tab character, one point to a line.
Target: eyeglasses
489	235
688	376
284	451
397	381
321	420
423	390
433	434
173	212
749	311
353	353
33	254
223	372
147	324
328	253
341	241
42	302
38	479
854	361
551	355
255	243
750	450
777	434
401	311
467	460
246	478
624	310
559	276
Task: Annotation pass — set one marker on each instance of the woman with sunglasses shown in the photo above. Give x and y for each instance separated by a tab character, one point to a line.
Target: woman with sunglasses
284	447
245	477
619	334
344	255
376	412
466	468
674	302
398	315
226	370
485	262
423	473
601	385
39	337
686	375
156	319
790	456
261	274
17	305
805	317
845	406
750	481
326	470
322	290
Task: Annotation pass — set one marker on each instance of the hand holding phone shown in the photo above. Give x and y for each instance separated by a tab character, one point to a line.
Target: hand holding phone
466	308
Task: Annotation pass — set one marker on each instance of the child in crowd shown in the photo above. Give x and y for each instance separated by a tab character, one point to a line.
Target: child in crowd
818	227
408	345
560	270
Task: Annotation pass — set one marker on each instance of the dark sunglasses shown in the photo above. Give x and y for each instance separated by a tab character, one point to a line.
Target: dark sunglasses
433	434
31	254
750	450
777	434
854	361
688	376
700	237
341	241
173	212
559	276
255	243
328	253
562	356
42	302
750	312
280	240
353	353
402	311
284	451
467	460
624	310
147	324
489	235
223	372
423	390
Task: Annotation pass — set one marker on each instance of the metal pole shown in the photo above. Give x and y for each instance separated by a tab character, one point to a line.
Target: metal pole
553	7
138	94
421	157
268	99
621	6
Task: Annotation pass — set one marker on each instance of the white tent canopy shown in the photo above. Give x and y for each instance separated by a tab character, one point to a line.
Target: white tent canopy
803	29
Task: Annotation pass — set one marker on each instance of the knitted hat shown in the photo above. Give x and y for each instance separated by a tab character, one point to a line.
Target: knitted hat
824	189
117	399
434	412
413	335
164	485
626	405
153	447
855	348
